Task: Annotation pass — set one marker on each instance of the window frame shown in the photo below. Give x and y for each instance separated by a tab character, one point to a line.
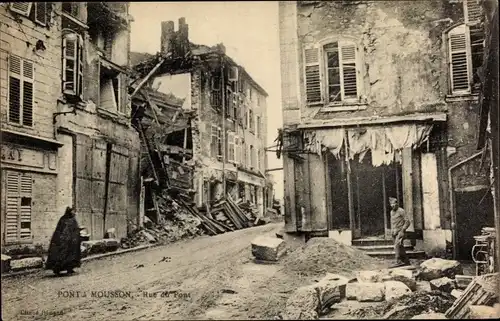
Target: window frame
22	79
78	59
231	147
458	30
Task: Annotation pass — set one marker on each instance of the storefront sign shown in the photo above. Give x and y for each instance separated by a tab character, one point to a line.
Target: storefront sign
16	155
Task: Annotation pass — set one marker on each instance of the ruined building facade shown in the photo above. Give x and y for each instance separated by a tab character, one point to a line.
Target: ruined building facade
380	99
66	134
224	139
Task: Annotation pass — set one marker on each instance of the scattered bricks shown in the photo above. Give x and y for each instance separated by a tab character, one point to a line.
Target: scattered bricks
483	312
149	237
423	286
436	268
456	293
95	246
303	304
365	291
6	263
429	316
111	244
268	248
27	263
331	289
463	281
405	276
395	290
443	284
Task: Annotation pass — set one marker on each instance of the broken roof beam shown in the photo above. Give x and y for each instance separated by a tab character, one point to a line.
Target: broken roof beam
151	105
149	75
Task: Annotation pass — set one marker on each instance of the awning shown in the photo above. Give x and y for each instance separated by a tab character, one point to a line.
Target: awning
382	141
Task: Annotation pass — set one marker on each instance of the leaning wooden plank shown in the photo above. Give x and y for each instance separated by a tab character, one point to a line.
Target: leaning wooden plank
233	218
235	211
238	209
241	220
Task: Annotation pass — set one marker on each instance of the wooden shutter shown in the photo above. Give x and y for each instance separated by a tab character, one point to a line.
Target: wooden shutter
313	75
27	90
231	148
22	8
349	73
18	210
79	76
459	60
70	64
15	91
472	11
41	10
219	141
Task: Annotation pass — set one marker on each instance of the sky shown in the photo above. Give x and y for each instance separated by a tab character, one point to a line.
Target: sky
248	30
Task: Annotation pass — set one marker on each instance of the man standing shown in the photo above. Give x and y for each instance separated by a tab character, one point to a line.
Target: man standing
399	223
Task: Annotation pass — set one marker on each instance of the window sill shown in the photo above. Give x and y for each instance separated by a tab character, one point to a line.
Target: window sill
74	19
462	97
344	107
17	125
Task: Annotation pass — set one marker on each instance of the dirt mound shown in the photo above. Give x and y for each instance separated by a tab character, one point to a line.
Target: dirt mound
414	304
321	255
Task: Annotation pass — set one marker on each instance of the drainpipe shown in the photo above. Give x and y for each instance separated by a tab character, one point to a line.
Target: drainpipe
452	200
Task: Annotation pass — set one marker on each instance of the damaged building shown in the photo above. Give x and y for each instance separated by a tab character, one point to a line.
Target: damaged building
380	99
214	128
67	138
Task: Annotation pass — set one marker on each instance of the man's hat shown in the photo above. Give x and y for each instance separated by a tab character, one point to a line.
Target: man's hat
393	199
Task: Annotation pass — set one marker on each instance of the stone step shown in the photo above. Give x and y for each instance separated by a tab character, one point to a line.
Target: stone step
381	248
390	254
374	242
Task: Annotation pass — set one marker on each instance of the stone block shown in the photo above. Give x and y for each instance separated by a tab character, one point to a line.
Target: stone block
405	276
303	304
436	268
27	263
456	293
423	286
484	312
429	316
463	281
370	276
444	284
331	289
6	263
268	248
395	290
95	246
111	244
365	291
148	236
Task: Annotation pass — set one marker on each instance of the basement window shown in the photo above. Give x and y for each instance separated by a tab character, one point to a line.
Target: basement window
110	83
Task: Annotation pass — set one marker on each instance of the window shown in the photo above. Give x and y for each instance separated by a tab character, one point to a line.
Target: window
257	121
231	157
41	12
216	142
251	120
472	11
73	65
21	80
340	81
259	162
71	8
237	150
465	44
252	156
18	207
215	90
246	117
23	8
110	83
243	152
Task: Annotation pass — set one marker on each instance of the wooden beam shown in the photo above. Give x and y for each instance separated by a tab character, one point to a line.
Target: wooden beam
149	75
185	144
151	105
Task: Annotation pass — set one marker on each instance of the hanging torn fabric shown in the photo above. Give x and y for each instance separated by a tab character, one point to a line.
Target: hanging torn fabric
326	139
381	148
405	136
359	142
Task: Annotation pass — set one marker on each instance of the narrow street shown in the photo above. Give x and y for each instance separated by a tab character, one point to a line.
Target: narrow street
197	270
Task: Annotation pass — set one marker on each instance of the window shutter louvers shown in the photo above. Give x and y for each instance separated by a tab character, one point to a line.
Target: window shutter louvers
15	89
313	75
70	59
28	73
79	78
349	74
460	74
18	207
472	11
41	9
22	8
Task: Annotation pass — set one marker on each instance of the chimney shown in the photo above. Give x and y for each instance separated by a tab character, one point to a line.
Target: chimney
183	34
167	33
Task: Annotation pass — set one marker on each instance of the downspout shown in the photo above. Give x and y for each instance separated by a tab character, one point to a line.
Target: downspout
452	200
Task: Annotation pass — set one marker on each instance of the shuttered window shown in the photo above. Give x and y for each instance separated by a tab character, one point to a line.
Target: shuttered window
19	206
21	80
472	11
22	8
231	148
41	12
214	143
237	150
459	51
335	78
313	75
72	65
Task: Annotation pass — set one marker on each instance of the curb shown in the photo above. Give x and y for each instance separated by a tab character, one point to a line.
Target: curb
85	259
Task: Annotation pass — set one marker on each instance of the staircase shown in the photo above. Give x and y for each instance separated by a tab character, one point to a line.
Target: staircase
381	248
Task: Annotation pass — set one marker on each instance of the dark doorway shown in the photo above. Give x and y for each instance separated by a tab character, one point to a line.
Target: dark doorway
474	211
393	184
339	218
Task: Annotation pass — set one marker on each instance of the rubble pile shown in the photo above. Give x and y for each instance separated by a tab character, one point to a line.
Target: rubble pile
321	255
